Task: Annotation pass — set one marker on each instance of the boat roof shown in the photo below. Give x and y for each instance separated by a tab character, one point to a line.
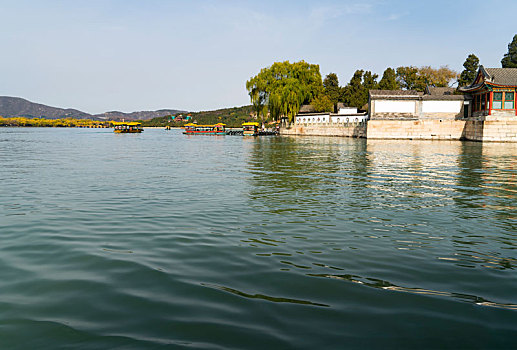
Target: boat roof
207	125
127	123
250	123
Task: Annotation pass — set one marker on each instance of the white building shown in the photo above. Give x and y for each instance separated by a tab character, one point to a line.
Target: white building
345	115
434	103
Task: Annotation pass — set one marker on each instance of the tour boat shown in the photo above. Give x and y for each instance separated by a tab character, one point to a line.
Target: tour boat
195	129
131	127
250	129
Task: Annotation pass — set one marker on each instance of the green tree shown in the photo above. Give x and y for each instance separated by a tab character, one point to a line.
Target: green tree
389	80
471	66
275	105
437	77
323	103
409	79
370	80
258	96
284	87
354	91
369	83
413	78
332	89
510	58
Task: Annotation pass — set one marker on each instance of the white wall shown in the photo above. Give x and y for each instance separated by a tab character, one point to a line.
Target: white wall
382	106
313	119
441	106
349	118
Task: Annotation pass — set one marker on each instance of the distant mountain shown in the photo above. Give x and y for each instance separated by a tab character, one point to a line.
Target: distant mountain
19	107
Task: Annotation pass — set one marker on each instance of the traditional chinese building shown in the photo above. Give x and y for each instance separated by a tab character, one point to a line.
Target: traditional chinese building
493	93
438	103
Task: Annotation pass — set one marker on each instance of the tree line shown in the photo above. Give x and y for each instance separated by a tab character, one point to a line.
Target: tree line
63	122
281	89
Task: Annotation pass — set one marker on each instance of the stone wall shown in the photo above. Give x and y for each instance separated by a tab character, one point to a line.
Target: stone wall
352	130
487	130
502	114
416	129
492	130
393	116
442	115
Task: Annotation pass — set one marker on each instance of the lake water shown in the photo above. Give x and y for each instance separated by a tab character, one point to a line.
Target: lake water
161	240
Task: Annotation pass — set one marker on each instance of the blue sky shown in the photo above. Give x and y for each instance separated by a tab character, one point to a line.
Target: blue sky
132	55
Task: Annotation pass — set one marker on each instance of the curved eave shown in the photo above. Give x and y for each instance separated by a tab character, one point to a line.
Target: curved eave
470	88
502	86
474	88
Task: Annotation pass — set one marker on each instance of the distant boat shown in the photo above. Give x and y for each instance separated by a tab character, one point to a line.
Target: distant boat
126	128
250	129
194	129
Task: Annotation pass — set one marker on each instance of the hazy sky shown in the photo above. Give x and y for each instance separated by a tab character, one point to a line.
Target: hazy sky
132	55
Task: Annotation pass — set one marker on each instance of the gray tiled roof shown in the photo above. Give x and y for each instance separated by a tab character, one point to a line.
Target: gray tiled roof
390	93
440	91
502	76
307	109
445	97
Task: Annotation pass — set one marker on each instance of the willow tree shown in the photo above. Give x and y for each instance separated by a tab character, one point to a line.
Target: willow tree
258	96
284	87
275	105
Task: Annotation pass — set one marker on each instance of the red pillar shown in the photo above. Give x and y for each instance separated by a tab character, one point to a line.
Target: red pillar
514	106
491	97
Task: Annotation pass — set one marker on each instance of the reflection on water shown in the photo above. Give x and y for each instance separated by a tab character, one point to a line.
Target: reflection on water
427	210
380	284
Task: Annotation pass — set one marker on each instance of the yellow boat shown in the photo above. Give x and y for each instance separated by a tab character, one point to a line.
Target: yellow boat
250	129
195	129
131	127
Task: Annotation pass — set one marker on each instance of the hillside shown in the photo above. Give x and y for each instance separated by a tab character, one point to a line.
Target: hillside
19	107
232	117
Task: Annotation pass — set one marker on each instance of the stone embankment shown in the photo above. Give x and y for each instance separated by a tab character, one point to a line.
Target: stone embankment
343	130
430	129
416	129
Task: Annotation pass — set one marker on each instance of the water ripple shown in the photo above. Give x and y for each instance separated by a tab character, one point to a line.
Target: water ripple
385	285
262	296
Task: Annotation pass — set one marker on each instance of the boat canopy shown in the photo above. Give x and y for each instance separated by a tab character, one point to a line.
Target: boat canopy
204	126
127	123
250	124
